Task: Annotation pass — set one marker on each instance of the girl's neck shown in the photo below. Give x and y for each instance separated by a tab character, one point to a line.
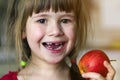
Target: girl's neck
45	71
46	67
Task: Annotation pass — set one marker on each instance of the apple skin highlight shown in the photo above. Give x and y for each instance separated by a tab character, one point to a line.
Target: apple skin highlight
92	61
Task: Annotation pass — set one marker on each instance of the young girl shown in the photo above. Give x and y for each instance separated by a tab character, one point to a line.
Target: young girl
48	34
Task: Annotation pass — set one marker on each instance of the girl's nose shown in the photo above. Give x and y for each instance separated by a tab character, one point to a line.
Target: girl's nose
54	30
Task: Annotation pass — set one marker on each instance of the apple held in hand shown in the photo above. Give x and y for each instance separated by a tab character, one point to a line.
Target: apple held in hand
92	61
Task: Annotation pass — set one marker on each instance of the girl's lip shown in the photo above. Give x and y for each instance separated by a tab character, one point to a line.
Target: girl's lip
55	47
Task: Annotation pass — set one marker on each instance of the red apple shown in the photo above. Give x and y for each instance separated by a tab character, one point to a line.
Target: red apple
92	61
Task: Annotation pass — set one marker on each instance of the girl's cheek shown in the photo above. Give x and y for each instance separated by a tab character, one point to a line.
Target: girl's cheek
71	33
35	33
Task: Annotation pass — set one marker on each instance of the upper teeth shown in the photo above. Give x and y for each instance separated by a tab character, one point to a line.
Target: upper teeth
54	46
54	43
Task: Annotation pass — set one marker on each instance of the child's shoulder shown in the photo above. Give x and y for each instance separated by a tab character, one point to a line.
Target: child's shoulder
9	76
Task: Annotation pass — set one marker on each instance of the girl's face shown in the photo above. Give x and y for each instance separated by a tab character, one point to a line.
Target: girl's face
50	35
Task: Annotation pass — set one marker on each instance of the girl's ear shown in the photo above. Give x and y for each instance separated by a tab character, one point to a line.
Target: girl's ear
23	35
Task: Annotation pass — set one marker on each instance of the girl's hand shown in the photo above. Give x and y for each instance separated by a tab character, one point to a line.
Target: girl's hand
97	76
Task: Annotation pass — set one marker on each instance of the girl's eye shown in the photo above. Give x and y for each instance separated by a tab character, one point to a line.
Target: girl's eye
42	21
65	20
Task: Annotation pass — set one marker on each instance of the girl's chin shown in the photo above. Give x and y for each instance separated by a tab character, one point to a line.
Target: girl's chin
55	61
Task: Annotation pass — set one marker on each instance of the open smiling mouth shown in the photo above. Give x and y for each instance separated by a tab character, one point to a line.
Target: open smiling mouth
54	46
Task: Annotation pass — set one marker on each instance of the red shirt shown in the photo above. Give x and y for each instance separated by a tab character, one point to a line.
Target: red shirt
10	76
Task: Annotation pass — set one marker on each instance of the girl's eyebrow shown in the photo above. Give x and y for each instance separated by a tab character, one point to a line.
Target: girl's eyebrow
67	15
39	15
47	15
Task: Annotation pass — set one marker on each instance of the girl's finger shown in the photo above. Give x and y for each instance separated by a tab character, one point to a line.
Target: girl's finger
93	76
111	71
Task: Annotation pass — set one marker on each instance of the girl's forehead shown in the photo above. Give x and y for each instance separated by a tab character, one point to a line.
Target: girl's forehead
52	13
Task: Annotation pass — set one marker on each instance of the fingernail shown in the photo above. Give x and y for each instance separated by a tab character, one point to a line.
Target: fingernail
106	62
83	75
